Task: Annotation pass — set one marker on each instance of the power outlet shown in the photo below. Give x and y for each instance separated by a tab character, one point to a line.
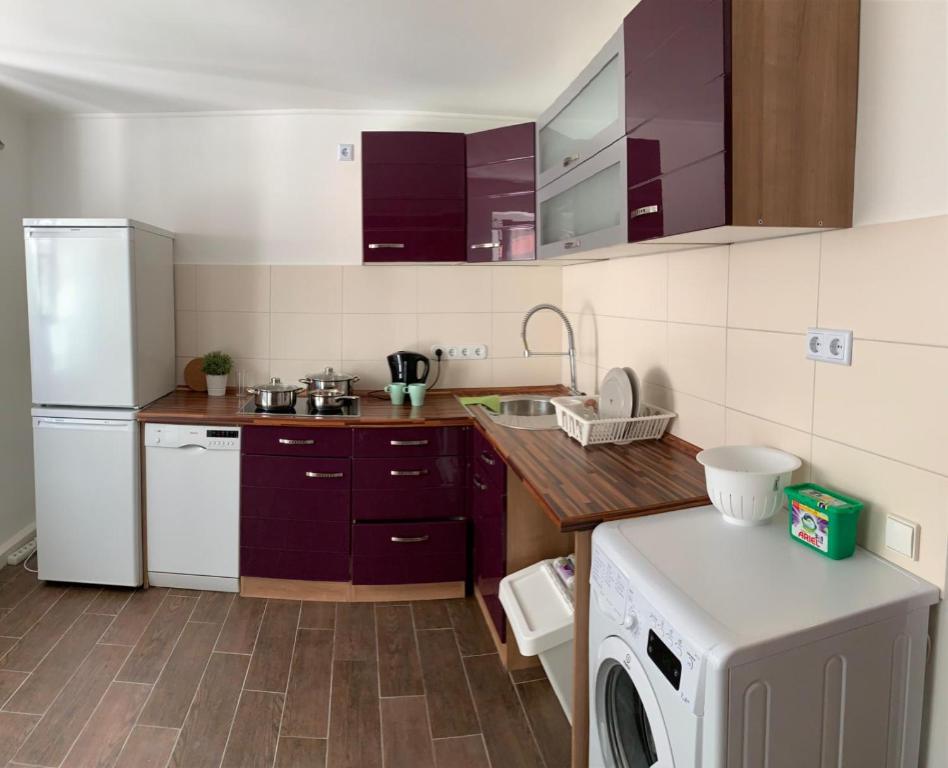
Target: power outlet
461	351
829	346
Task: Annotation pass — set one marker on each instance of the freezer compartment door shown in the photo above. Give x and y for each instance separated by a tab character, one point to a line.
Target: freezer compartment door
88	508
79	289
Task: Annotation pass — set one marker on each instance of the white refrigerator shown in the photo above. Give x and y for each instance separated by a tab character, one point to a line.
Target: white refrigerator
101	317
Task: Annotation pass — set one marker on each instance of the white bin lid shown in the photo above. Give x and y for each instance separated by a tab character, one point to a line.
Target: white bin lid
539	611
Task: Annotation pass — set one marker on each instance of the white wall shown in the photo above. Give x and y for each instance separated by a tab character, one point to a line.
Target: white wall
16	435
249	188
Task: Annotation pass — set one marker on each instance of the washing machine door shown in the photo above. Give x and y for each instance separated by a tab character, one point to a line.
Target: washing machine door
631	728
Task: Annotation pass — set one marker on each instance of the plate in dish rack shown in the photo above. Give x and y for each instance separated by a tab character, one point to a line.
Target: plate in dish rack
616	395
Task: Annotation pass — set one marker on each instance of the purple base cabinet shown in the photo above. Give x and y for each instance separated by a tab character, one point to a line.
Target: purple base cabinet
409	553
489	517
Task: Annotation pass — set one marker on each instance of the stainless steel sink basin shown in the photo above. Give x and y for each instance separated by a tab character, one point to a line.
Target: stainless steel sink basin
525	412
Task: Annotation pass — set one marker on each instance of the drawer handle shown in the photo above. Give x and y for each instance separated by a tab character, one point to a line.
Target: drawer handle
484	245
324	475
569	160
572	244
408	472
643	211
407	442
376	246
485	457
288	441
409	539
478	484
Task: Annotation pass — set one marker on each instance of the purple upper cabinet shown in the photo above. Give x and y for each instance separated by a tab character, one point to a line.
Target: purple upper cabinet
501	194
413	193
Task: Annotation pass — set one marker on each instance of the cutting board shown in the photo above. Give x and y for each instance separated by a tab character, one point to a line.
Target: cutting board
193	375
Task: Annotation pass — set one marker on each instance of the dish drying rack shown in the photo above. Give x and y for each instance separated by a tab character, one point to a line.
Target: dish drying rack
581	423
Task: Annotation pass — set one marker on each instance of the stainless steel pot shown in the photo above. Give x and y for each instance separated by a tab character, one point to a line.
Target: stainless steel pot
327	399
330	379
275	396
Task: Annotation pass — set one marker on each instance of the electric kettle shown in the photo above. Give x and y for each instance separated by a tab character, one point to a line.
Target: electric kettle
404	367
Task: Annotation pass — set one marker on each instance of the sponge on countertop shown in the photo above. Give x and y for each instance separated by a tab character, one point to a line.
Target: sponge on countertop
490	402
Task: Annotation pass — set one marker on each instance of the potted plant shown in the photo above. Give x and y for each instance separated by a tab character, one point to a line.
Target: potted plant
216	366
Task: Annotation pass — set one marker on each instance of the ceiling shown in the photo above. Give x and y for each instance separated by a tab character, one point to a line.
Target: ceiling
496	57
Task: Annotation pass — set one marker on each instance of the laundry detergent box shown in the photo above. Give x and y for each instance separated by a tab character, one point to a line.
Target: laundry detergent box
822	519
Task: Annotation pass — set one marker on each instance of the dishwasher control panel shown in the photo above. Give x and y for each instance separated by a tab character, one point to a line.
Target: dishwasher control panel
184	435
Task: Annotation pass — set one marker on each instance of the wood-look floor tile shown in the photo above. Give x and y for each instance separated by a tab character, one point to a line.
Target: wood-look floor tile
253	739
168	703
55	733
185	592
506	733
131	621
213	607
14	729
468	621
152	651
270	664
406	741
240	629
204	735
449	700
7	572
463	752
355	632
54	671
431	614
19	621
527	675
9	682
147	747
6	643
307	697
300	753
102	739
318	615
47	631
20	584
111	600
355	733
549	723
399	669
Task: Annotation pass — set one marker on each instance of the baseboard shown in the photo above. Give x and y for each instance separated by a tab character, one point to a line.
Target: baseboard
17	540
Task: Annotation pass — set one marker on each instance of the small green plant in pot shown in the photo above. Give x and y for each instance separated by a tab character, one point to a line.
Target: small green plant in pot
216	366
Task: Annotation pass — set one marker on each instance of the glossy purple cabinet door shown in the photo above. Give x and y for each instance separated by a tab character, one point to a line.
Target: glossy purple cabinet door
412	147
489	515
417	504
404	474
297	441
403	553
501	194
399	442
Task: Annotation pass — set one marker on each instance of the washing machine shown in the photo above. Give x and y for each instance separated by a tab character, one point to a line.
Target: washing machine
714	645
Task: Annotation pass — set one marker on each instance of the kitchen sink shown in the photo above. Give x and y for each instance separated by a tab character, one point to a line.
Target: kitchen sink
525	412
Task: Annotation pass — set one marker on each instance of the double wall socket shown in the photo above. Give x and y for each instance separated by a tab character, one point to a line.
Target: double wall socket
829	346
460	351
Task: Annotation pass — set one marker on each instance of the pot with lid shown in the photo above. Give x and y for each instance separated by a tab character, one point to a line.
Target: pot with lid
275	396
330	379
327	399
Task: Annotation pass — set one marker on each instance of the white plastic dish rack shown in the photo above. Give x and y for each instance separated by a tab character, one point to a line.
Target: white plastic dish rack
650	424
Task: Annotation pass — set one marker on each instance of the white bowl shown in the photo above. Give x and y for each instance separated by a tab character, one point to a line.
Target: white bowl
746	482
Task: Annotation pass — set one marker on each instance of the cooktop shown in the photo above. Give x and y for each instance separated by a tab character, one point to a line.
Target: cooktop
347	410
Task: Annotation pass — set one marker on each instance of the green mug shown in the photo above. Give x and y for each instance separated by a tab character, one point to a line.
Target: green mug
417	394
396	390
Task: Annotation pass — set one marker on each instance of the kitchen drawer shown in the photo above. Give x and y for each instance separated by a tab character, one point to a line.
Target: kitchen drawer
284	472
407	474
486	463
408	553
381	245
410	441
420	503
295	535
295	503
283	564
297	441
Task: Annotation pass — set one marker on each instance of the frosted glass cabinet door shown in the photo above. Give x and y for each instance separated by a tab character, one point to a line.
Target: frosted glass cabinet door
587	117
585	209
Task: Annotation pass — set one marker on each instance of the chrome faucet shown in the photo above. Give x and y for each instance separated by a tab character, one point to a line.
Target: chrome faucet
570	341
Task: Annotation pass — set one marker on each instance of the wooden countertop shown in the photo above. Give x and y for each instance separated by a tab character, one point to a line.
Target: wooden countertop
577	487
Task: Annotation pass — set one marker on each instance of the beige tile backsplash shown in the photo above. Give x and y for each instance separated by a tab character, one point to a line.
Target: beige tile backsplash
725	351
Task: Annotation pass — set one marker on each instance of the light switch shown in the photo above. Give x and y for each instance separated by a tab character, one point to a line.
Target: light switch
901	536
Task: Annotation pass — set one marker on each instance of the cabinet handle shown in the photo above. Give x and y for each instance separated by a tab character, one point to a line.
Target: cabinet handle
376	246
572	244
643	211
408	472
485	245
324	475
478	484
407	442
569	160
486	458
288	441
409	539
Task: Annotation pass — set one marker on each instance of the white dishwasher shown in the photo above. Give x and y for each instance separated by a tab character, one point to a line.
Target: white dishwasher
192	511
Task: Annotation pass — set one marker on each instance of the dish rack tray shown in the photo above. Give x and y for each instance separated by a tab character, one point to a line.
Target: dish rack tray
570	415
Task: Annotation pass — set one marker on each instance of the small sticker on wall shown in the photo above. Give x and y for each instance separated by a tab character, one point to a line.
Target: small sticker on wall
345	152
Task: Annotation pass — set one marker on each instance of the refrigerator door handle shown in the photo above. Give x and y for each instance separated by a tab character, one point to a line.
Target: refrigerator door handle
85	425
